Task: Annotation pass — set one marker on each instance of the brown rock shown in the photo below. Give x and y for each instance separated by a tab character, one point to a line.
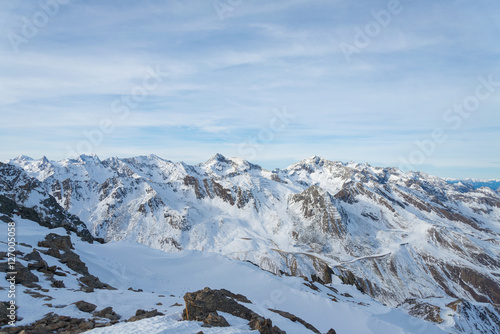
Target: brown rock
72	260
85	306
141	314
215	320
204	304
201	303
264	326
91	282
56	241
107	313
23	275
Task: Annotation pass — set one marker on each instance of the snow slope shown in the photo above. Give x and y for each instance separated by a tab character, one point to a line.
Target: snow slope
166	277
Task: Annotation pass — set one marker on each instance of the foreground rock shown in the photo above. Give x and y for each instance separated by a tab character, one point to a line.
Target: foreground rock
203	305
85	306
23	275
141	314
53	323
107	313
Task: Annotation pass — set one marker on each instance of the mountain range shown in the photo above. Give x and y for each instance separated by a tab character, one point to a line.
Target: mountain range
420	244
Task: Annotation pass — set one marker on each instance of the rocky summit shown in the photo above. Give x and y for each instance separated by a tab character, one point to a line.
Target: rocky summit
416	244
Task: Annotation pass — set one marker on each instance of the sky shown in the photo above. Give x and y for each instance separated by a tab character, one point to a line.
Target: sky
411	84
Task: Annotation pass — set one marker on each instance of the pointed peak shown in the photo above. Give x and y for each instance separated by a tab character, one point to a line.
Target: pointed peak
218	158
314	160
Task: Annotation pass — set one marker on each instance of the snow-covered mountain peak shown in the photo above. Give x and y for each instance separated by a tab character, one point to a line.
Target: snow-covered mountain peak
21	158
219	165
91	159
313	161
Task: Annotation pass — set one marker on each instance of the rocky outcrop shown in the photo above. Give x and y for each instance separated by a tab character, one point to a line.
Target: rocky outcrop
23	274
264	326
203	305
8	313
91	282
56	241
142	314
316	205
107	313
53	323
423	310
85	306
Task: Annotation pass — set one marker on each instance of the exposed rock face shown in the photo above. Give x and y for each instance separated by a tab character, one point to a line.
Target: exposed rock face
423	310
107	313
473	319
203	305
264	326
5	312
39	264
213	319
53	323
142	314
85	306
23	275
318	213
56	241
91	282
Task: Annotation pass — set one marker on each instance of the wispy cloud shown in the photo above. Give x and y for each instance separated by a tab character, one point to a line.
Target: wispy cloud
226	76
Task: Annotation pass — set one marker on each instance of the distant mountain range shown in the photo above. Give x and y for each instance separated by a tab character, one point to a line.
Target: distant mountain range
413	241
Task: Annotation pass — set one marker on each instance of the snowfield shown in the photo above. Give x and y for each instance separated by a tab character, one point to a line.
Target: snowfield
166	277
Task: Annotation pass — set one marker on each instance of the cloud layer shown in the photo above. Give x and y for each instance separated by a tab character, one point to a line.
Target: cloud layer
186	80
